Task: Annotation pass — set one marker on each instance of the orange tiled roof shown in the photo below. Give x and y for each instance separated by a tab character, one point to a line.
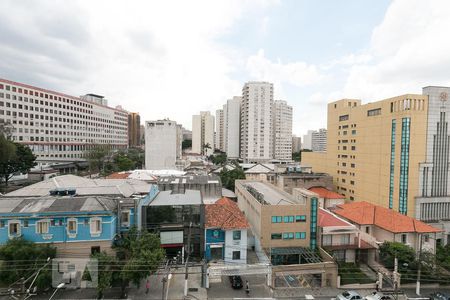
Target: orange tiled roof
224	214
327	219
326	193
364	213
118	175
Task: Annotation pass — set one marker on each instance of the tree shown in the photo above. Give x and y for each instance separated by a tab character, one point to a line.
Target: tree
139	254
186	144
14	158
218	159
21	258
122	162
297	156
205	148
228	177
137	155
96	157
404	253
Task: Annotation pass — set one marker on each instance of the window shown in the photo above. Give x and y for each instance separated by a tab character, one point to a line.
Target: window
2	224
404	238
300	235
236	255
95	249
426	238
288	235
96	225
125	218
327	240
276	219
42	227
343	118
345	239
276	236
374	112
14	228
288	219
25	223
72	225
236	235
301	218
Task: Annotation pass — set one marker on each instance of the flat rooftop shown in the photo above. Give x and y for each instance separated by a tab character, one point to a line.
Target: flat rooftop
271	195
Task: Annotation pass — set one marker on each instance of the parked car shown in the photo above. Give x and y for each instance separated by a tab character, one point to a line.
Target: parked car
236	282
439	296
349	295
378	296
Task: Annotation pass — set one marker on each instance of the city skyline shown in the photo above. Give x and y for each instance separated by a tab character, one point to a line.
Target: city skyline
140	59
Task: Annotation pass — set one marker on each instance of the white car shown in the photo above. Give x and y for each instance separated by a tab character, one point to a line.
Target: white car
349	295
377	296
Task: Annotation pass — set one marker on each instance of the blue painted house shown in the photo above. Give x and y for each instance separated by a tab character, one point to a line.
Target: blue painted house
77	226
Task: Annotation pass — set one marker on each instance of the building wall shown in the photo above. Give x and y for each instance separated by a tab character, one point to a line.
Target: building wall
256	139
59	127
360	140
134	130
282	124
203	132
296	143
219	142
307	140
162	144
232	111
82	249
236	245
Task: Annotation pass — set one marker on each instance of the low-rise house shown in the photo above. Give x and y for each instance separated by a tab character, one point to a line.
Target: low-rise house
261	172
290	180
225	232
327	198
77	226
343	240
388	225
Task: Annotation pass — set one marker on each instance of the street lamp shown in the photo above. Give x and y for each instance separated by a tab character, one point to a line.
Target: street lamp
60	286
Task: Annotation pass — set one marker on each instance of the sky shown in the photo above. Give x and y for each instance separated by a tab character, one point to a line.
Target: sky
173	59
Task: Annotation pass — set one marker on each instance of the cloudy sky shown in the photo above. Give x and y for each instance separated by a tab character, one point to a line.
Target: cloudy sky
175	58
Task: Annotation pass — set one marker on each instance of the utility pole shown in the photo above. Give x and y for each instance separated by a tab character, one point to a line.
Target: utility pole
186	273
396	277
419	268
164	280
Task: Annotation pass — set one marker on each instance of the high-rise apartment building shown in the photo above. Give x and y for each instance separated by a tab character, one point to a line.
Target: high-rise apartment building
393	153
296	143
307	140
282	130
162	144
319	140
58	127
256	122
219	138
134	129
203	133
232	114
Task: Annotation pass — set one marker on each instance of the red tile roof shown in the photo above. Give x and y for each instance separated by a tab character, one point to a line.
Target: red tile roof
118	175
328	219
326	193
364	213
224	214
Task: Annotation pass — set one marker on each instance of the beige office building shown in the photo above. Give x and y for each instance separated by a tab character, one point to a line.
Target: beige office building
393	153
203	133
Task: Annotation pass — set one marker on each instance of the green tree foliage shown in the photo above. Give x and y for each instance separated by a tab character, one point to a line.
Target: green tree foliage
205	148
14	158
137	155
186	144
21	258
138	255
97	156
218	158
297	156
443	256
122	162
404	253
228	177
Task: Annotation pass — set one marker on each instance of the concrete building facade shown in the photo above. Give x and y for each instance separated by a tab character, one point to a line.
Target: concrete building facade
58	127
319	140
282	130
162	144
232	113
203	133
393	153
219	137
256	137
134	129
296	144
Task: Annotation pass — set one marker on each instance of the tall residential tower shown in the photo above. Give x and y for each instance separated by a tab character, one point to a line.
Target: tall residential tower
203	133
282	129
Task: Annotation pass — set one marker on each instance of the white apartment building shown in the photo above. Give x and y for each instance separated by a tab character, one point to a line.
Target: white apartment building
296	143
307	140
162	144
219	142
256	122
232	114
203	133
282	125
58	127
319	140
